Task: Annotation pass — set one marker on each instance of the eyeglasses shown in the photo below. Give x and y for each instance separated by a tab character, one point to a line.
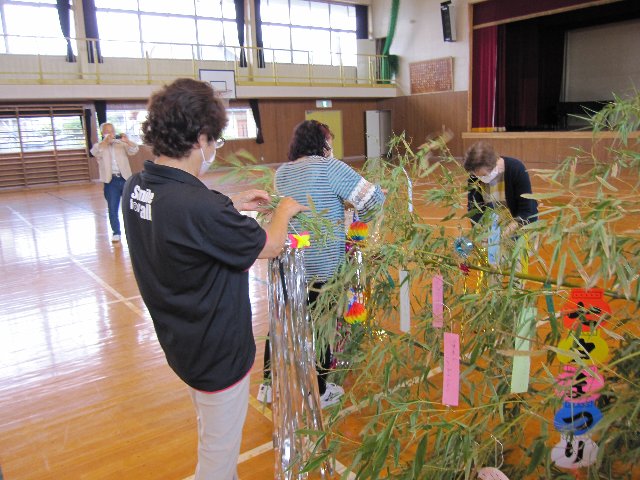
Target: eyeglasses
219	142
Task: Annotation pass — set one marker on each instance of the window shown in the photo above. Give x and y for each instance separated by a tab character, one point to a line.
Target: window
307	31
129	120
42	145
41	134
33	27
241	124
179	29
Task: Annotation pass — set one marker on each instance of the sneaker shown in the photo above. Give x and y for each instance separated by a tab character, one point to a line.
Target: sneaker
115	239
264	393
331	395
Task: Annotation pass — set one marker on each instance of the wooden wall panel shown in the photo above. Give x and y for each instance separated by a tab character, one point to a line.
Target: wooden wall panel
421	115
279	118
548	149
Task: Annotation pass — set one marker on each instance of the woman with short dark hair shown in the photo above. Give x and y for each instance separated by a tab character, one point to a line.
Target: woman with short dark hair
313	175
191	250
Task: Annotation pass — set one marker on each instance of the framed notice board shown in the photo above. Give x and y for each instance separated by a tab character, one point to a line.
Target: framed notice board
431	75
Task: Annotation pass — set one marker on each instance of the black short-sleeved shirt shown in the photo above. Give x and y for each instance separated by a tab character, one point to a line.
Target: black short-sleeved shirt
190	250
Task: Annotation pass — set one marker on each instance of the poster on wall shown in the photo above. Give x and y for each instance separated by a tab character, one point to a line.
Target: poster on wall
431	76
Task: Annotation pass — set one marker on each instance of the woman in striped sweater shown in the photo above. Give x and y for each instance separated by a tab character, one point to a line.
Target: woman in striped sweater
312	174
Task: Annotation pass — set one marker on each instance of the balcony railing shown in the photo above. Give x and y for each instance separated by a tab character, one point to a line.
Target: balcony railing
124	63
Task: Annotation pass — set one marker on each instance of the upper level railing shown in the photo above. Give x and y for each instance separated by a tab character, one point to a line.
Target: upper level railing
164	61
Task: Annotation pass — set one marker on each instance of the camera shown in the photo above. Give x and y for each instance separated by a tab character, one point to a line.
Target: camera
118	136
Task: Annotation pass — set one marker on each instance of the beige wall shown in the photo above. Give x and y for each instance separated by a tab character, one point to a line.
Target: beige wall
418	37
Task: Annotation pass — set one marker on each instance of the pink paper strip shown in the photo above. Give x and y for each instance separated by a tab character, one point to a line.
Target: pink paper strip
451	372
437	301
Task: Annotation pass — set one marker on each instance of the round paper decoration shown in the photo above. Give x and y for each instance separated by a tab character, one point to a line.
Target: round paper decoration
491	473
590	347
577	452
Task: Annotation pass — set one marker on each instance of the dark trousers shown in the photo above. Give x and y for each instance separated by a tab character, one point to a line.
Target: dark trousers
113	193
323	369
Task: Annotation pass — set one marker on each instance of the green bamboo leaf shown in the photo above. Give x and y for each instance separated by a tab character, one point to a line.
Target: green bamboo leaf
606	184
539	450
561	267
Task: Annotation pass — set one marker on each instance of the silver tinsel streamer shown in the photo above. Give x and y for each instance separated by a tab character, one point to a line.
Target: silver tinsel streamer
296	400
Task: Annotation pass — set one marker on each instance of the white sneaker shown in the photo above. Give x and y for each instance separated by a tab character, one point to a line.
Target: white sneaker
264	393
331	395
115	239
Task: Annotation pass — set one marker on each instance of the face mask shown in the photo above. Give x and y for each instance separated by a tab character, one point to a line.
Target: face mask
491	177
206	164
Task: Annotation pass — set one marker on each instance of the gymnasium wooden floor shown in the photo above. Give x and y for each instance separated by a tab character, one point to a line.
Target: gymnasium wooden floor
85	390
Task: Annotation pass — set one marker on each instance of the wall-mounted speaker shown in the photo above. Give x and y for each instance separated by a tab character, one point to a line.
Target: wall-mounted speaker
448	21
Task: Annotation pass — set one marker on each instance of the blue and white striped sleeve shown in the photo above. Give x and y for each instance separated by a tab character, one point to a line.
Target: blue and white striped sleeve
350	186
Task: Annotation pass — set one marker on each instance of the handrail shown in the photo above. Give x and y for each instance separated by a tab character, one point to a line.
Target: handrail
163	61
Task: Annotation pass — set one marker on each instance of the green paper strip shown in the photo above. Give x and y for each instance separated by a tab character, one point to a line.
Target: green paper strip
522	363
550	308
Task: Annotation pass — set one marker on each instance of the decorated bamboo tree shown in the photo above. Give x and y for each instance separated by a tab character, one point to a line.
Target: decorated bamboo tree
504	372
541	377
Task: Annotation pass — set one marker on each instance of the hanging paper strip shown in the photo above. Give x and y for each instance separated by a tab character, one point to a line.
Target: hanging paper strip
451	370
522	363
405	302
437	300
493	243
296	401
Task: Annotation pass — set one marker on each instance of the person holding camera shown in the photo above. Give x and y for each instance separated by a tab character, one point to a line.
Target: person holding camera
112	154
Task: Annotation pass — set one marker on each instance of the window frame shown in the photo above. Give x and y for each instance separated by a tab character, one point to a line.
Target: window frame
333	51
197	48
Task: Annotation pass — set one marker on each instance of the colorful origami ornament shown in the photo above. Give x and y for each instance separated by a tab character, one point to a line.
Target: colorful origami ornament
302	240
574	452
577	418
579	385
358	231
586	309
356	311
463	246
589	347
491	473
